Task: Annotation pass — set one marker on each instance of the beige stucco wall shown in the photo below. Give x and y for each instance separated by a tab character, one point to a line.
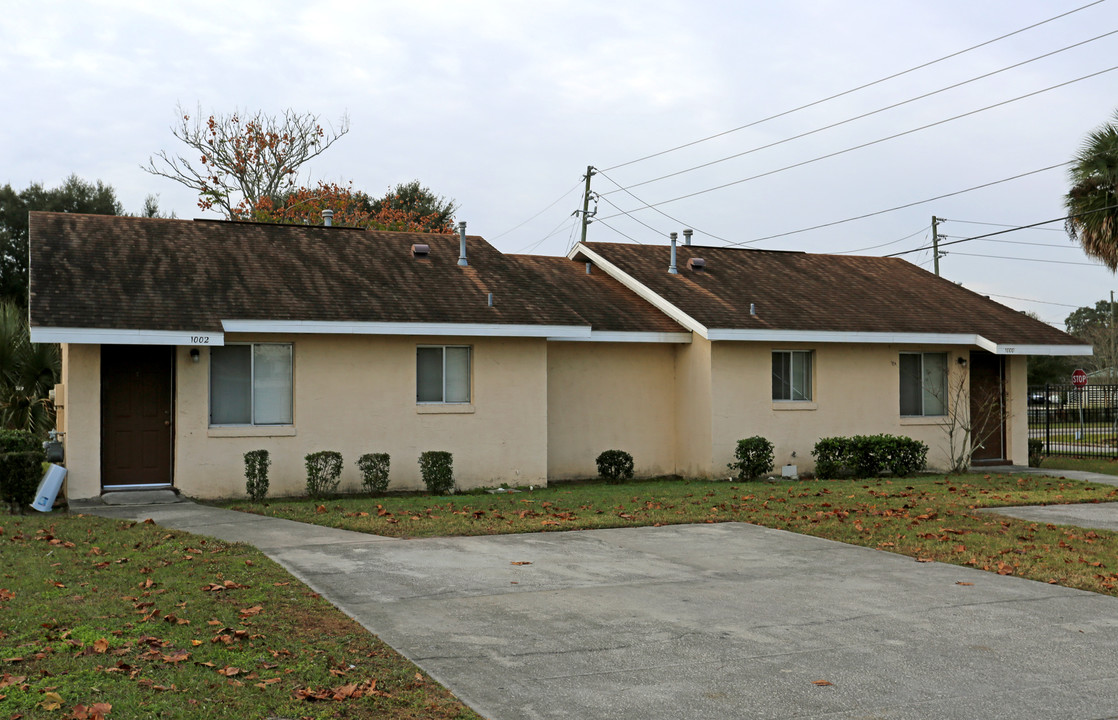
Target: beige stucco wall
693	408
856	391
81	418
1017	409
356	394
603	396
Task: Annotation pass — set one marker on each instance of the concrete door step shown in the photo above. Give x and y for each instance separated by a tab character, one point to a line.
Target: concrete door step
141	497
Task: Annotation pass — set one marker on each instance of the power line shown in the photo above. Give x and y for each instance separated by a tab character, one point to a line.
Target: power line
1005	257
1003	232
856	89
611	227
637	219
541	212
876	142
532	246
1008	225
901	207
1042	302
862	116
642	202
1065	246
891	242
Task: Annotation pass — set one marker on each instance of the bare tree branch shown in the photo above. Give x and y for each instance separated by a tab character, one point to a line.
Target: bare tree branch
243	158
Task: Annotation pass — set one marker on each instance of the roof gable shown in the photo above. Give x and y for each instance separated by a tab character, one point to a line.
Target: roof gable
759	290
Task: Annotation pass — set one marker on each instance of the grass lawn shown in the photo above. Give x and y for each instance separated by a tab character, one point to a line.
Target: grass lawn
927	517
1106	466
102	618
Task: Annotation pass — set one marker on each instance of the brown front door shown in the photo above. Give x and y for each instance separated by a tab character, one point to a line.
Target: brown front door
136	389
987	407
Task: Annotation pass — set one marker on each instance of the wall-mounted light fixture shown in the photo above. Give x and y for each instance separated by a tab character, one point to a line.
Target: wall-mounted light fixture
961	360
195	355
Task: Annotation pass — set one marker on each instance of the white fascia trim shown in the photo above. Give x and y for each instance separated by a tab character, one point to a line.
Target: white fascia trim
641	290
119	336
837	336
637	337
309	327
1043	350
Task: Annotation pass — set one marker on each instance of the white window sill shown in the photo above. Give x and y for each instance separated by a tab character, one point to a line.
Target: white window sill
445	409
252	431
795	405
924	420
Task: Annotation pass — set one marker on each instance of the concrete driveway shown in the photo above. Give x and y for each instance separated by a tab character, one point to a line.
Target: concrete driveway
701	621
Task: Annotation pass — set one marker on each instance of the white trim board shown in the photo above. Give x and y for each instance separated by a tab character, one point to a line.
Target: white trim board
640	289
621	337
125	336
306	327
838	336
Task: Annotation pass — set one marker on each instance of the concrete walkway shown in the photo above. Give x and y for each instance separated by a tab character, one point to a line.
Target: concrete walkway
1097	516
700	621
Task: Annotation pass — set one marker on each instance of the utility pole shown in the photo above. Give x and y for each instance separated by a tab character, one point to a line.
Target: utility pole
935	242
586	201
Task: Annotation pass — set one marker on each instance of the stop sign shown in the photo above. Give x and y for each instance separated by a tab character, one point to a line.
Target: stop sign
1079	378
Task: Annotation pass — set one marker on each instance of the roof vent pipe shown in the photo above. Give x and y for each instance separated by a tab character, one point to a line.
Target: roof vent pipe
672	268
687	236
490	299
327	217
588	266
753	309
462	244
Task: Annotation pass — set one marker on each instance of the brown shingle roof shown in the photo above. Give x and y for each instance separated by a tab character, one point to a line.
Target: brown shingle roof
97	271
602	302
800	291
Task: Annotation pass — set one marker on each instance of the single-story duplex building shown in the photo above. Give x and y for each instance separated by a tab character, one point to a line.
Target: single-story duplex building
186	344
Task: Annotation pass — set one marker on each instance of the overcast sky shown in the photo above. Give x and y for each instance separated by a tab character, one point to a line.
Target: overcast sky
501	105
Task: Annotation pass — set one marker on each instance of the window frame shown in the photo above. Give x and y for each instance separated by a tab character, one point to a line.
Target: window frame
252	386
923	375
809	397
469	375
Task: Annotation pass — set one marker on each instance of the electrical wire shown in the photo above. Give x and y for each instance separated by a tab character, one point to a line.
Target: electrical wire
891	242
1005	257
1065	246
856	89
1042	302
859	117
556	230
1008	225
876	142
611	227
541	212
642	202
637	219
1003	232
901	207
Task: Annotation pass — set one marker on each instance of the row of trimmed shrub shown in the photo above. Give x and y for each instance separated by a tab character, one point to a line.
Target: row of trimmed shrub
21	468
863	456
324	469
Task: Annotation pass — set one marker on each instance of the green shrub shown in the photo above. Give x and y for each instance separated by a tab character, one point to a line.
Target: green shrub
323	470
256	474
20	473
903	455
615	466
864	456
374	471
437	469
19	441
830	457
752	458
1036	452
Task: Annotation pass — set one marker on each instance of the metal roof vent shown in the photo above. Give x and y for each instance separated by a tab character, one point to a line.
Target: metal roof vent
697	264
672	268
420	251
327	217
687	236
462	245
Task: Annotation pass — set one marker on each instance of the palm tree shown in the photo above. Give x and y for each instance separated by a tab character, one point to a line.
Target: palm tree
28	372
1092	202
